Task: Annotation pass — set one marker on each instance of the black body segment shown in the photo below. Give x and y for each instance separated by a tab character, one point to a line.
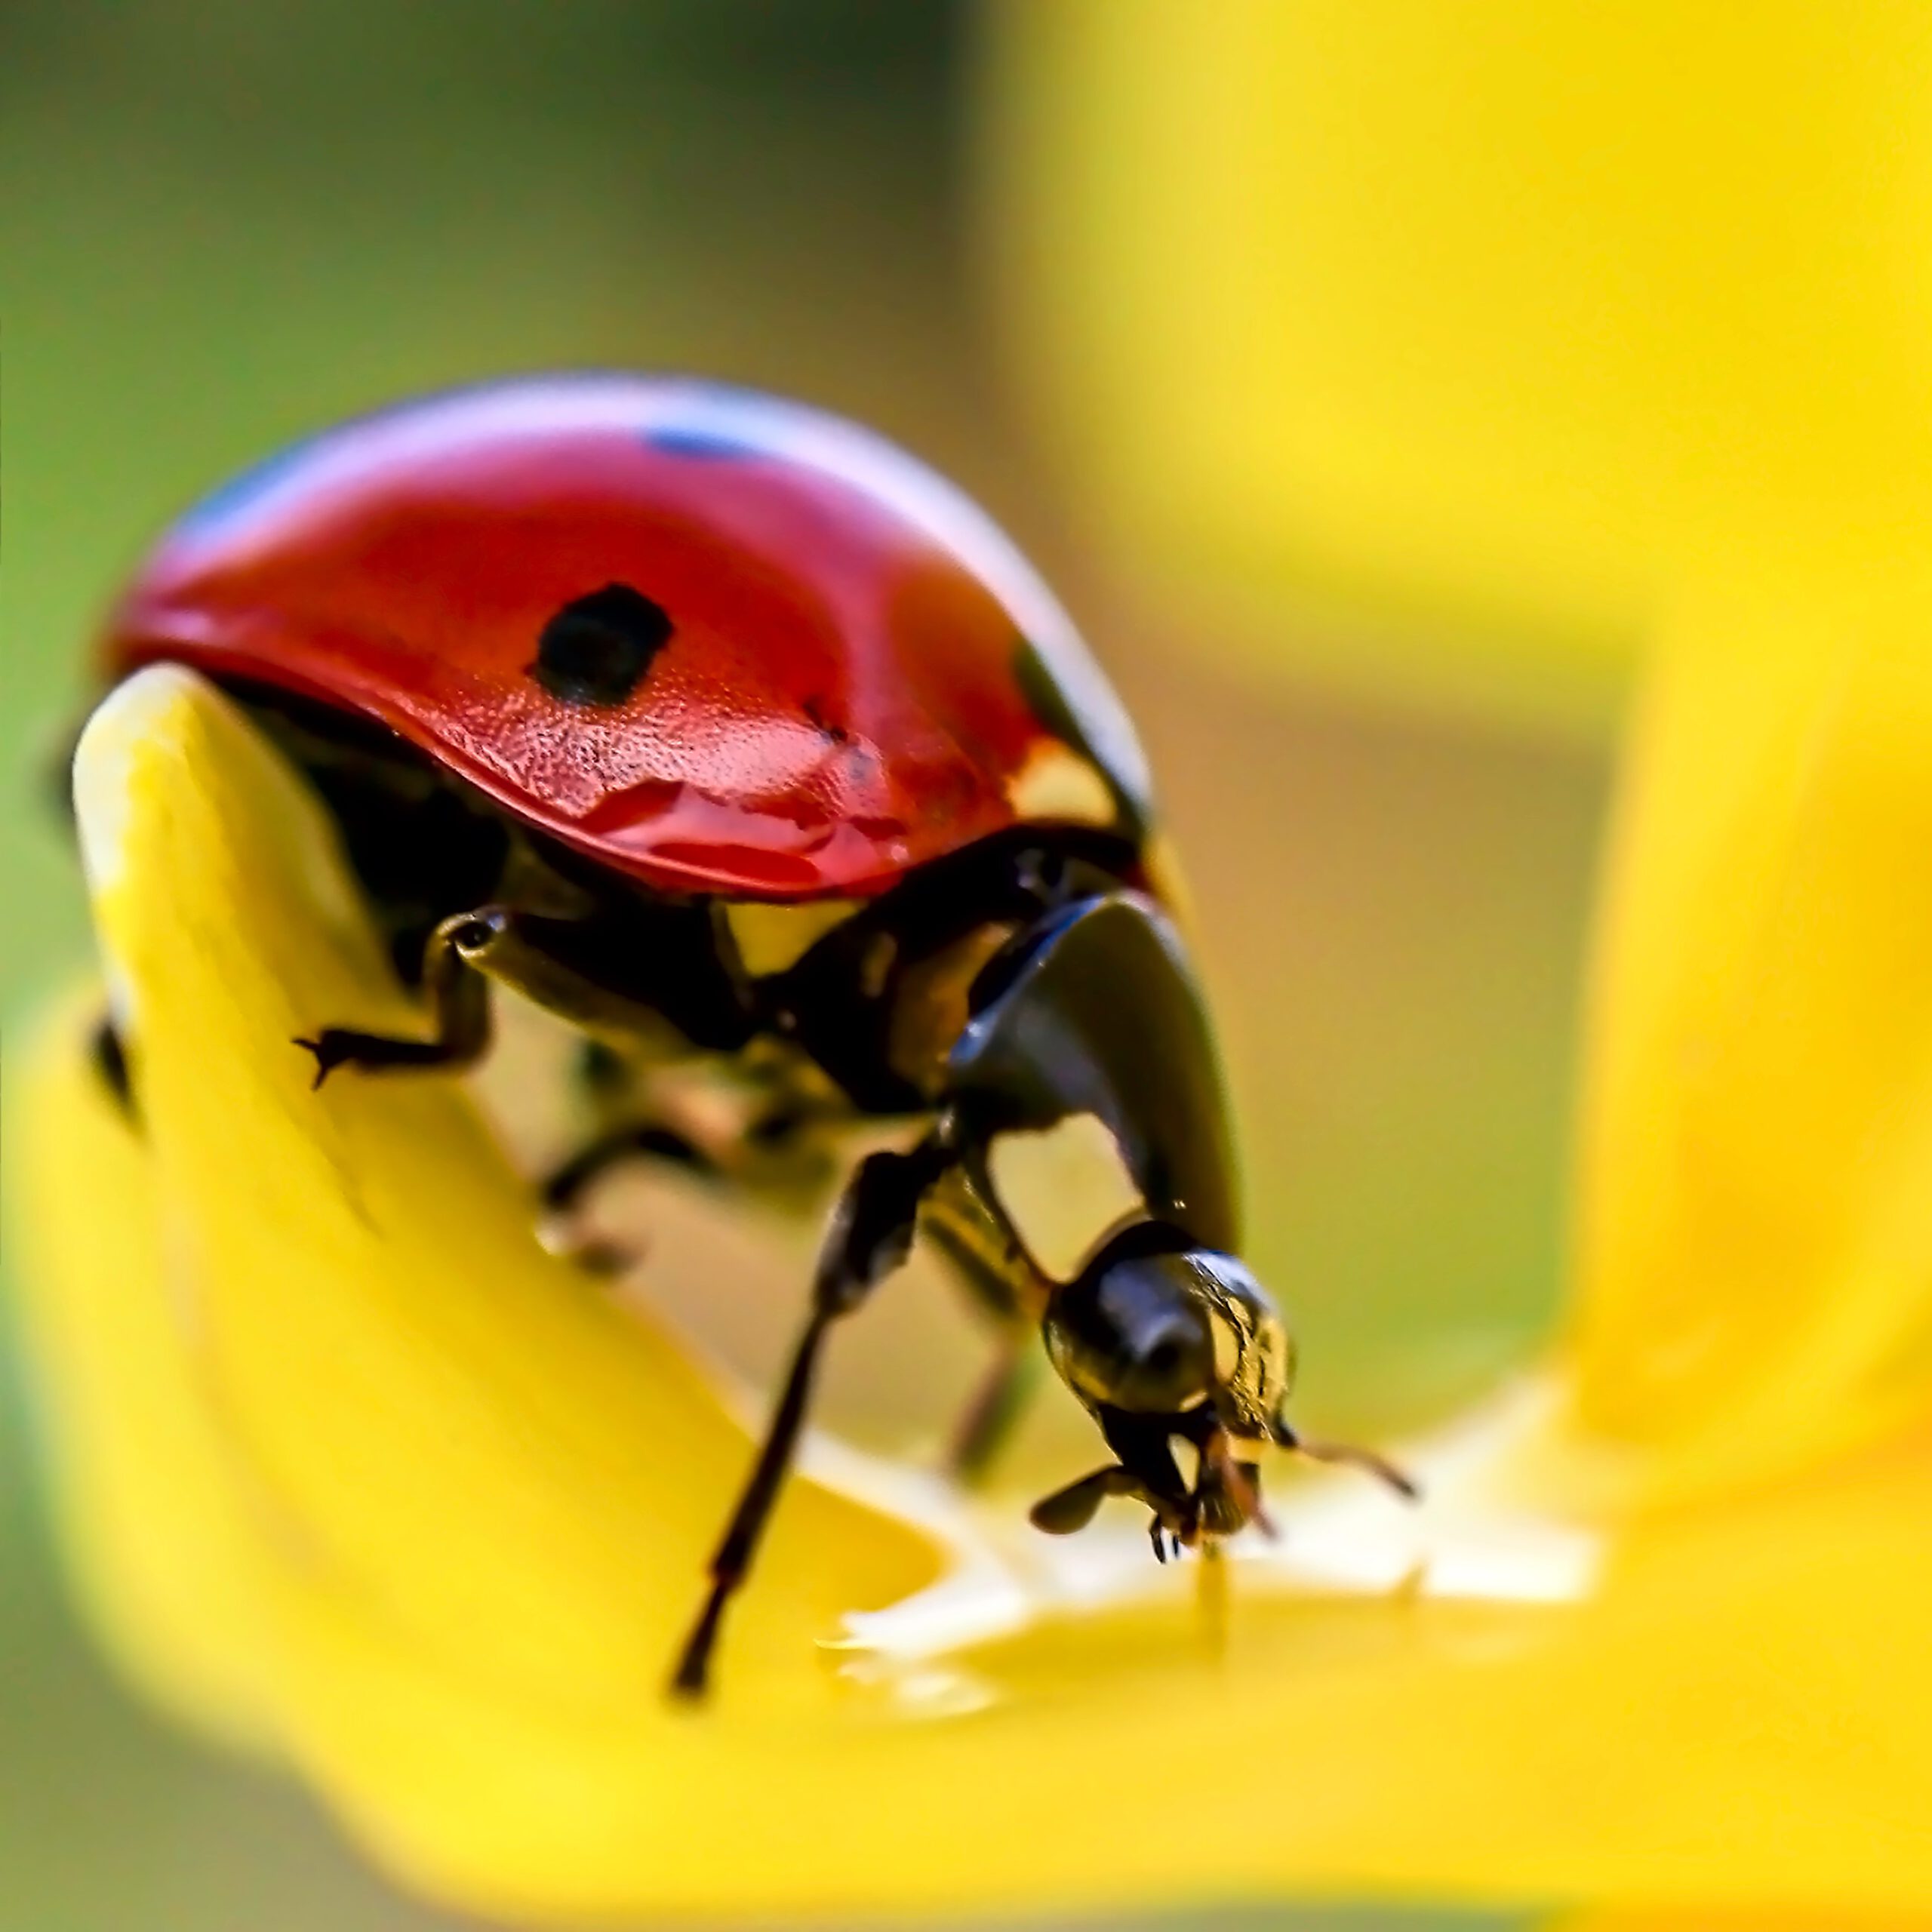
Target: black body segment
1097	1011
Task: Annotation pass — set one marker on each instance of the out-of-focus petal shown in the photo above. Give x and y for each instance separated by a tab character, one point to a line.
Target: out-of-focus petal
1758	1918
1757	1182
1479	323
163	1556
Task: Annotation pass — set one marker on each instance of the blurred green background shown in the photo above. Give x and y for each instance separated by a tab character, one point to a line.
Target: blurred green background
223	224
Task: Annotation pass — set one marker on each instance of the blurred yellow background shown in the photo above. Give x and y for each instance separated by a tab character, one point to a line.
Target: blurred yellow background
1504	319
225	224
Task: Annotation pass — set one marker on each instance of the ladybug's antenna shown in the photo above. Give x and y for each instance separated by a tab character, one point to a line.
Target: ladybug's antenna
1404	1486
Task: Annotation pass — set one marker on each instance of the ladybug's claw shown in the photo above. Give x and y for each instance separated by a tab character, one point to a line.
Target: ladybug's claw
343	1046
331	1052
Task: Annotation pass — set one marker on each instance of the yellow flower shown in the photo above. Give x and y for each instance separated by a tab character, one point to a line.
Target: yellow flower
1430	348
355	1476
355	1471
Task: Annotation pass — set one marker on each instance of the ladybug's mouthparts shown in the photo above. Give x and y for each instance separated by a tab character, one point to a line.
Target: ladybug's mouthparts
1228	1496
1225	1496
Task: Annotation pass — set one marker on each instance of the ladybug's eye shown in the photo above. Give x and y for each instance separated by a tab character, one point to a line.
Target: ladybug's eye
597	649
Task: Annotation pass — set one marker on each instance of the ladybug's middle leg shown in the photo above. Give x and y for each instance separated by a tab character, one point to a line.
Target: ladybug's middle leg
563	1186
459	998
870	1235
769	1132
995	1406
996	1274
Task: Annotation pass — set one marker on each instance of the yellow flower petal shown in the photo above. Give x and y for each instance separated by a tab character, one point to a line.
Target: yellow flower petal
1479	323
163	1559
1819	1918
477	1498
1757	1194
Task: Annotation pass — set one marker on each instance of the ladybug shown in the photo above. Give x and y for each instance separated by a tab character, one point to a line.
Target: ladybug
733	735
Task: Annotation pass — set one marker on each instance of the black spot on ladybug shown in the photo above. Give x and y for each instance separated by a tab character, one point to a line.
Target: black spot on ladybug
701	445
596	649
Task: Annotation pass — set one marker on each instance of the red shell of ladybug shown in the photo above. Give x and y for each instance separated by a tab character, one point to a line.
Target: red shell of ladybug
719	642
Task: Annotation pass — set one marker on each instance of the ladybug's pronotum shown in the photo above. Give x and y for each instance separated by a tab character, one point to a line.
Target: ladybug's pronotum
727	731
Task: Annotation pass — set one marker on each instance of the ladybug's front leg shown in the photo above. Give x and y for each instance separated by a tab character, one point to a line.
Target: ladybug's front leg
459	998
870	1235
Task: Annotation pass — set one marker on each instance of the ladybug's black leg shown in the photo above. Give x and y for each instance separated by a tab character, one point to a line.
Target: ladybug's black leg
1072	1508
996	1405
870	1235
459	998
566	1184
774	1156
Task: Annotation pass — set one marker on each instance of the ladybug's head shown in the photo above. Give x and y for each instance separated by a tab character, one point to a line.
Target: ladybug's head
1174	1350
1088	1055
1179	1351
1153	1329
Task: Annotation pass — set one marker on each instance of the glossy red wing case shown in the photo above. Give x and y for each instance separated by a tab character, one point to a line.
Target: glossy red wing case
718	641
